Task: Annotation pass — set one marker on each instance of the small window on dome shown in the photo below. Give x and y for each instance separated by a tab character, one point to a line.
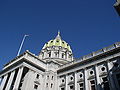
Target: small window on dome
51	41
67	44
63	42
57	41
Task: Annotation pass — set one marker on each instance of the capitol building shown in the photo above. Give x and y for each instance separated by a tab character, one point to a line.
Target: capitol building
55	68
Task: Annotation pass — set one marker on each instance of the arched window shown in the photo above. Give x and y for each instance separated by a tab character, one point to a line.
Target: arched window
62	55
51	85
66	55
56	54
49	54
52	78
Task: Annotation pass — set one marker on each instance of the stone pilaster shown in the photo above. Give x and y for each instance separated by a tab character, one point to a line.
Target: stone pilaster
75	80
85	79
66	83
97	78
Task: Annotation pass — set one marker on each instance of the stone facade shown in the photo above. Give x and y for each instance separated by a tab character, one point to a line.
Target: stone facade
56	69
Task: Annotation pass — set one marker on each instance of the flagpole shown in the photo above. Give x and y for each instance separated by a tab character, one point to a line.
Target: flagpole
21	44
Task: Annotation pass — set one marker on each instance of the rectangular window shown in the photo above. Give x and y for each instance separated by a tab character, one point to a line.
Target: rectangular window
35	86
62	88
37	76
51	85
46	84
92	82
71	87
81	86
105	83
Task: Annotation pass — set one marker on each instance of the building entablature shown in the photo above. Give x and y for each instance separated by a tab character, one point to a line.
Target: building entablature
26	57
106	56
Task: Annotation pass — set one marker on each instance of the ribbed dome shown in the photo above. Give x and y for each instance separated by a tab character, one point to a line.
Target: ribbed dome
57	42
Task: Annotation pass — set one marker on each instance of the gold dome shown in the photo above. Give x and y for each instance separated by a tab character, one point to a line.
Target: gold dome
57	42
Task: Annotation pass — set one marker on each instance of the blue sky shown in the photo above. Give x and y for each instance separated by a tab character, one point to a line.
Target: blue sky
87	25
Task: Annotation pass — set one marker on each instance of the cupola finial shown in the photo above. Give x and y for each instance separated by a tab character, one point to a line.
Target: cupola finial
58	36
59	32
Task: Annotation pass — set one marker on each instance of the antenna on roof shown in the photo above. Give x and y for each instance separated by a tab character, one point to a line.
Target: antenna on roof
21	44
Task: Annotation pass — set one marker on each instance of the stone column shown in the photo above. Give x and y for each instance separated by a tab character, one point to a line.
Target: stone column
97	78
52	54
10	81
18	78
75	80
3	82
85	79
66	83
